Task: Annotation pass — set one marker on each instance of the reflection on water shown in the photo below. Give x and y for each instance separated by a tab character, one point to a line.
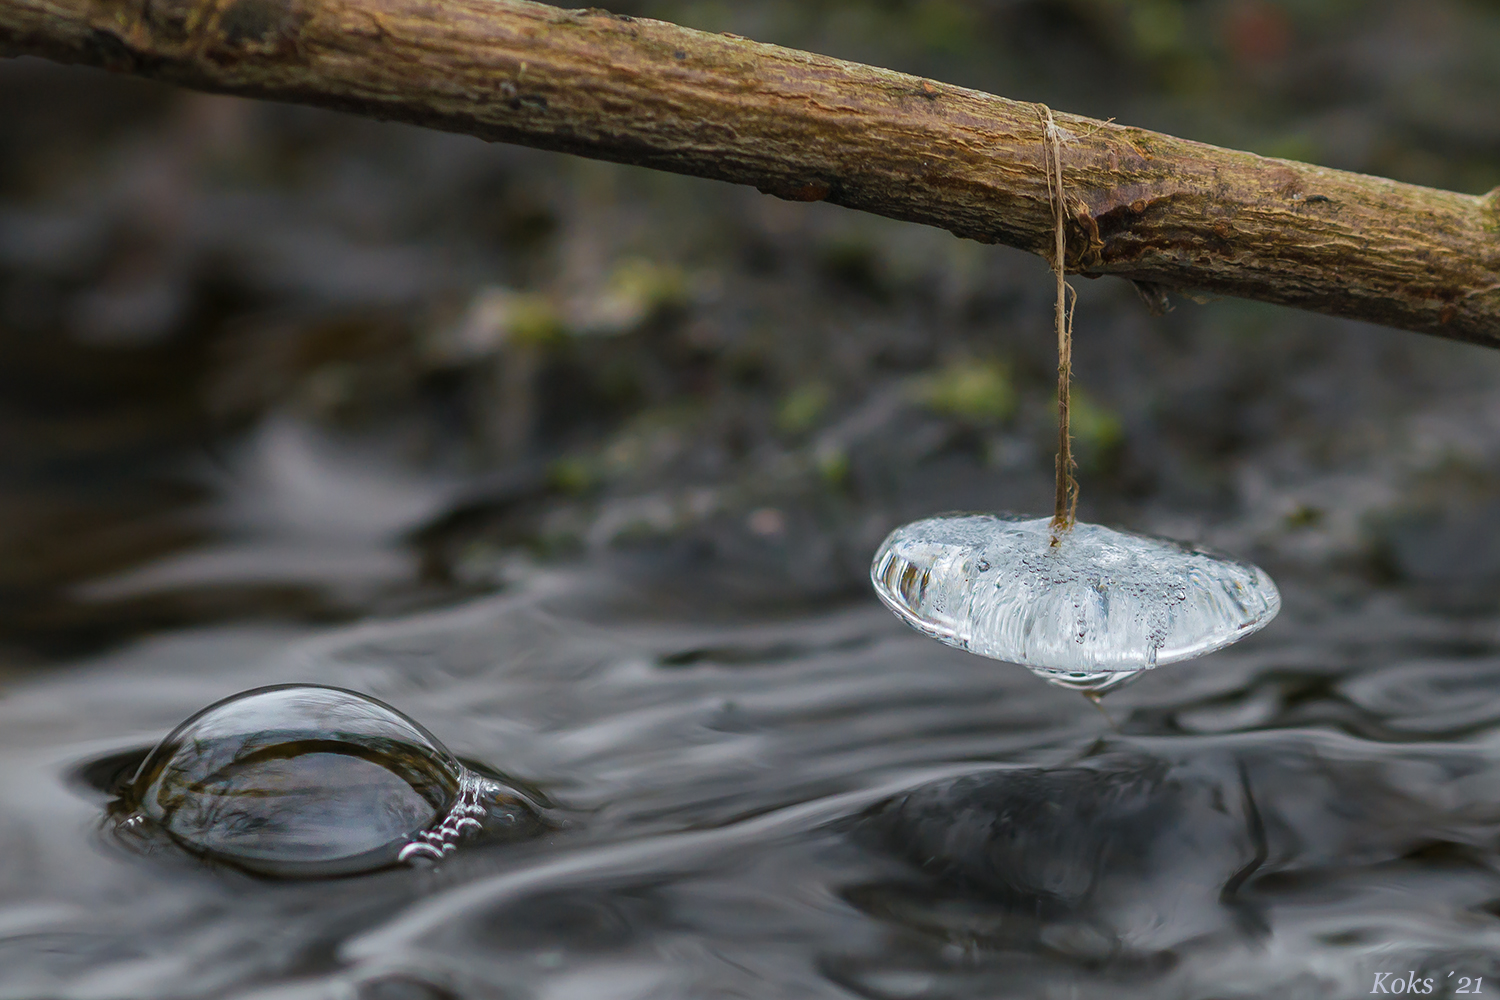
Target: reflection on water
814	805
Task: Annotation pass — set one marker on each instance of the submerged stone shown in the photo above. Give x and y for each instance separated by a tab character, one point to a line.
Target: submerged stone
1088	613
302	779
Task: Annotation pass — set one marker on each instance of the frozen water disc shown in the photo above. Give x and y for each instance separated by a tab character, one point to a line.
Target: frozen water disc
1098	607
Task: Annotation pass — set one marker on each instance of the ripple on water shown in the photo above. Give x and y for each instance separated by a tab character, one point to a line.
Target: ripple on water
308	780
814	805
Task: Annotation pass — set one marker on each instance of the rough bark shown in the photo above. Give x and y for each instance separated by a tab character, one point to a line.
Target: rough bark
1145	206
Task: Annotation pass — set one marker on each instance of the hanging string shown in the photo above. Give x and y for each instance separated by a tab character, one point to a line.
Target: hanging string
1065	500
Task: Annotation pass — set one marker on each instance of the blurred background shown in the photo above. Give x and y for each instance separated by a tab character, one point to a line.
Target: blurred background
270	363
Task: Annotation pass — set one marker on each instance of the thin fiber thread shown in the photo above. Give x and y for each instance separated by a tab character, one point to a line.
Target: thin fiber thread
1065	501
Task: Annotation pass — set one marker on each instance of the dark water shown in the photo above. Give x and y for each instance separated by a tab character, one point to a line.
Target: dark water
822	805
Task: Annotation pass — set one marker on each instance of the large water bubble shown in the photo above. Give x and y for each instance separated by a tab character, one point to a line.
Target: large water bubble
307	780
1090	612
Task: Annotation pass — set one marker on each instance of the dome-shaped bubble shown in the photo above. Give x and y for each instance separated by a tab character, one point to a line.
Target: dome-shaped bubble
301	779
1089	612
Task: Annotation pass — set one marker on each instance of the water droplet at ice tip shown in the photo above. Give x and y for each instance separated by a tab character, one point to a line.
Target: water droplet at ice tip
1089	613
304	780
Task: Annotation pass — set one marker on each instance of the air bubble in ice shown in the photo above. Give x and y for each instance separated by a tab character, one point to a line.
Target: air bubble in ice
1089	613
302	779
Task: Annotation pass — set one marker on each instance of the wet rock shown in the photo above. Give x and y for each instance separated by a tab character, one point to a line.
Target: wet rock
1035	839
1134	852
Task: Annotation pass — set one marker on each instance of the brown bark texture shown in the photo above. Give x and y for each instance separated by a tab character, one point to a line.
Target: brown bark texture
1155	209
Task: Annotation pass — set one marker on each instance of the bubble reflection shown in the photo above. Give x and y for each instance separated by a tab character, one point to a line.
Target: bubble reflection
306	780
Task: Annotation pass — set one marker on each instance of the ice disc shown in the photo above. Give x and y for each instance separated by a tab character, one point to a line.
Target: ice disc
1098	604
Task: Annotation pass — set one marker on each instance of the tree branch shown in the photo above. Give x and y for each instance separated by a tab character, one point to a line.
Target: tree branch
1141	205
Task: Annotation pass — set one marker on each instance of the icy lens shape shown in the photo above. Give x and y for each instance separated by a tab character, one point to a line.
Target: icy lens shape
1088	613
302	779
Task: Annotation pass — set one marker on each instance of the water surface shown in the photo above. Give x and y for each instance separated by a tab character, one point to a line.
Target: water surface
819	805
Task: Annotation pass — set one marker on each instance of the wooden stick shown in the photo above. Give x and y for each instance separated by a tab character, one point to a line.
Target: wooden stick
1158	210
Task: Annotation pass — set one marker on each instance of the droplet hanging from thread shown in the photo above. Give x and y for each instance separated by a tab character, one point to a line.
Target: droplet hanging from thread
1084	607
